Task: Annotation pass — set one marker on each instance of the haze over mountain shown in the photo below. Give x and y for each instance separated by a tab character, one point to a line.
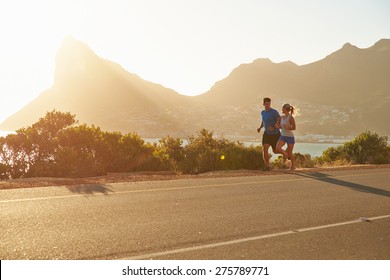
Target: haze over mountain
343	94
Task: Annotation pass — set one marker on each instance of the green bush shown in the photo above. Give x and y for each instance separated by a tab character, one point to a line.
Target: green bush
304	160
31	152
200	154
87	151
368	147
331	154
204	153
56	147
237	156
170	153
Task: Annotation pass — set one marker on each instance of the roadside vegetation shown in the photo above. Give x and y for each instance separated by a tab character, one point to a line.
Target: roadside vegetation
57	146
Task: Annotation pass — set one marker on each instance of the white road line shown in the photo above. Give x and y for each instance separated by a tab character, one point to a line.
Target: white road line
242	240
41	198
305	178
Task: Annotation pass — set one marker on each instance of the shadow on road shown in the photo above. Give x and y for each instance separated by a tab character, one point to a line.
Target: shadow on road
90	189
357	187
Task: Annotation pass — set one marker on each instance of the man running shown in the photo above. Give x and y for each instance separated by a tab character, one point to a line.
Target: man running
271	123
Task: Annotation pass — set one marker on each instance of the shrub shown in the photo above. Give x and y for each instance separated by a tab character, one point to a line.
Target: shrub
368	147
237	156
204	153
304	160
331	154
170	153
55	146
201	154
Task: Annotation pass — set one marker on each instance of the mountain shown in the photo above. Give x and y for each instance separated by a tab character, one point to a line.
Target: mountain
344	94
347	73
101	92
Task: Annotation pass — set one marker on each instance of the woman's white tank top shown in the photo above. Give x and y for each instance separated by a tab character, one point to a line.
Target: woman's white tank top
286	121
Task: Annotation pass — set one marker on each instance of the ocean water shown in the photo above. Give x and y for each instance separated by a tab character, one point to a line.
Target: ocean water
313	149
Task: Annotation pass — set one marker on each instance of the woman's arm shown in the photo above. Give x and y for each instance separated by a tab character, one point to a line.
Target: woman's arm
292	123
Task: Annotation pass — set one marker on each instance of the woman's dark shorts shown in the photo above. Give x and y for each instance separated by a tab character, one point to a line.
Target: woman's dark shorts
270	139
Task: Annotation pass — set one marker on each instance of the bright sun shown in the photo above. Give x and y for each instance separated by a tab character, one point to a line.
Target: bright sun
31	33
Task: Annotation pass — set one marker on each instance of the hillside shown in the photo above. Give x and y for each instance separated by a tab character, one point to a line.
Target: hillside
101	92
347	73
343	94
346	92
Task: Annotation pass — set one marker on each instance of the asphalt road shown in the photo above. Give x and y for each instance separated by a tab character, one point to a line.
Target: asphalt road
321	215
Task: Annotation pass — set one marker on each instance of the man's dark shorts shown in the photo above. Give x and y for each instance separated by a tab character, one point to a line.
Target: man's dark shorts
270	139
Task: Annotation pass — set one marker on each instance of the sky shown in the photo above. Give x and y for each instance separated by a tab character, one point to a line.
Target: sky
185	45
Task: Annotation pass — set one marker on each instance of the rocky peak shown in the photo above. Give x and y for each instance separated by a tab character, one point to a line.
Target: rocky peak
382	45
73	59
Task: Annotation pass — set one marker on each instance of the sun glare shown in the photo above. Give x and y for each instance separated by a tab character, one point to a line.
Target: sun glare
32	31
183	45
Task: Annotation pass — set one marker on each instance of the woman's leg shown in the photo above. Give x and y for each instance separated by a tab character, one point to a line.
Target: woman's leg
290	148
279	149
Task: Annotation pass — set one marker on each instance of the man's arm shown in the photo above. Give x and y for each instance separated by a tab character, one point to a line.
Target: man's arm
278	120
261	126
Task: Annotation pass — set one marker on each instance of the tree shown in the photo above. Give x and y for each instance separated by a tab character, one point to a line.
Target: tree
31	150
367	147
42	138
77	154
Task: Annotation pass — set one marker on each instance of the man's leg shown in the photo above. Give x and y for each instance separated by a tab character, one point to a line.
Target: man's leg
274	141
266	155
